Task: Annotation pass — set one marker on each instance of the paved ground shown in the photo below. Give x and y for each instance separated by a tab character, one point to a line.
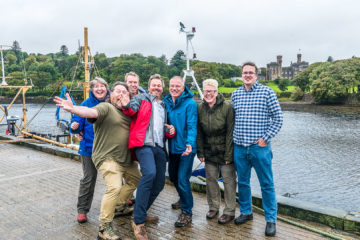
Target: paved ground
38	195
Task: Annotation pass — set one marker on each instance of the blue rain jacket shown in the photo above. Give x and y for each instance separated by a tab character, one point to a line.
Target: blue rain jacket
183	116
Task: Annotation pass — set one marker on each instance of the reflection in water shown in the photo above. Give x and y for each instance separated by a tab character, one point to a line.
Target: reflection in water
315	155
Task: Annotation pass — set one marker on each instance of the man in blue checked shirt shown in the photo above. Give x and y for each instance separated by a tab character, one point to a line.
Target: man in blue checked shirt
258	118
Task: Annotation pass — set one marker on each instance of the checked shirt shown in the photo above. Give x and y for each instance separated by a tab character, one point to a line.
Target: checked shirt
257	114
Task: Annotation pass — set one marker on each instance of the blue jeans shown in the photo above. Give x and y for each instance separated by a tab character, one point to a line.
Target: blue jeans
180	169
152	162
261	159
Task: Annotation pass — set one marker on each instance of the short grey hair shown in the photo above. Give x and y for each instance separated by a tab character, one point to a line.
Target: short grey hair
210	82
98	80
156	76
175	77
131	74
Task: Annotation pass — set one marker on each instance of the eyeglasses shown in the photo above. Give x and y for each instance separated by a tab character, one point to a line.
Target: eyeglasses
248	73
210	91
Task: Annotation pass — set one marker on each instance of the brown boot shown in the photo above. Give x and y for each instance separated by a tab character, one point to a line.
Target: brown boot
106	232
150	218
139	231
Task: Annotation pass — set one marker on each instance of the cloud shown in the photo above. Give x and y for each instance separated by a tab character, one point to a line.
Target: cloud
227	31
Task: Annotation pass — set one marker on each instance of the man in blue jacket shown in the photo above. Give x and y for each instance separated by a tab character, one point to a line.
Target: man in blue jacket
182	114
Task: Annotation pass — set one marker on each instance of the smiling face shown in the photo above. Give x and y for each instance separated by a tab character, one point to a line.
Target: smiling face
156	87
99	90
116	95
176	87
133	83
210	94
249	76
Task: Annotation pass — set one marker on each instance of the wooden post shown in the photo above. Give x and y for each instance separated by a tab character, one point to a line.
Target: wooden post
86	62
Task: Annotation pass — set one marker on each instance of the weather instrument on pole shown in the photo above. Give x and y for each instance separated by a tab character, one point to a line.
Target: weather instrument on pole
189	72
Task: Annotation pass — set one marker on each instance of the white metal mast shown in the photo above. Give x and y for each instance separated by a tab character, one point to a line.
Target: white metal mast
189	72
3	82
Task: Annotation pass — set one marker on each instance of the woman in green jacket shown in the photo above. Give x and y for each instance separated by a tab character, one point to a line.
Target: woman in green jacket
215	148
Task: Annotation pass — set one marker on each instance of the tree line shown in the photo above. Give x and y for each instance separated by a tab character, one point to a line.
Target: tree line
48	72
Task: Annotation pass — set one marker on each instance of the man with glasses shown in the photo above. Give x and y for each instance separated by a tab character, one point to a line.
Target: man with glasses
182	113
258	118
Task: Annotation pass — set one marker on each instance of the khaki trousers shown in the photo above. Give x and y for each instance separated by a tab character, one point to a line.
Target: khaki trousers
213	190
113	174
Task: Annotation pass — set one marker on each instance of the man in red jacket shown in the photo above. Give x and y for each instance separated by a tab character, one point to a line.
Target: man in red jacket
148	131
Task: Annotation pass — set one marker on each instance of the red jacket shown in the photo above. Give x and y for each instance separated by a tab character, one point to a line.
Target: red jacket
140	109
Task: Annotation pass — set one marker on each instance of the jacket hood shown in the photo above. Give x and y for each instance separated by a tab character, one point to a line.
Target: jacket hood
95	100
185	94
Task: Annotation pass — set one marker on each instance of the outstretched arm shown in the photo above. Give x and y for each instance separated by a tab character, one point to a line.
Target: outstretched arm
80	111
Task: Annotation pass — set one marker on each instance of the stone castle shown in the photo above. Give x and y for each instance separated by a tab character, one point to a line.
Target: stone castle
276	70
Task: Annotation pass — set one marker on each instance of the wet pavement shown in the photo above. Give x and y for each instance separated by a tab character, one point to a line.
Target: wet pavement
38	196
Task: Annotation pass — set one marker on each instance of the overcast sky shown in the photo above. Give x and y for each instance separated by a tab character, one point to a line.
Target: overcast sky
230	31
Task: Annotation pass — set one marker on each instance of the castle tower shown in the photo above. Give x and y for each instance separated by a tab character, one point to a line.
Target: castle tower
279	62
299	58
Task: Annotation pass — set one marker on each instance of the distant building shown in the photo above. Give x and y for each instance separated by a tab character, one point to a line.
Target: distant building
276	70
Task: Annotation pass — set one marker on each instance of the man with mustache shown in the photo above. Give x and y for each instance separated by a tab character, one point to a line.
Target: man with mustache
110	153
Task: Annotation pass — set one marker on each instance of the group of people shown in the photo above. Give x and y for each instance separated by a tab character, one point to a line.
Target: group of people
128	128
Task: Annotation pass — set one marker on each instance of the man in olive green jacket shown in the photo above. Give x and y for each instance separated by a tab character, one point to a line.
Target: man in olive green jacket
215	148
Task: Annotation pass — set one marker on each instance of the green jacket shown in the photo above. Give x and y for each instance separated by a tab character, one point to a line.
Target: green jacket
215	131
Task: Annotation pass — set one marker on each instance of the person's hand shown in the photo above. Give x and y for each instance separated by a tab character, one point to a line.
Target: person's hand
187	151
80	136
171	128
227	162
261	142
74	125
125	99
65	104
202	159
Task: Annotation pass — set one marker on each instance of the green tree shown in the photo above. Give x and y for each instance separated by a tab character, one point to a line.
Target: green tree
330	59
283	84
302	80
177	63
11	58
64	51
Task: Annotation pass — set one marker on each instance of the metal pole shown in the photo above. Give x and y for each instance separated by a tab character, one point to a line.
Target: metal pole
2	67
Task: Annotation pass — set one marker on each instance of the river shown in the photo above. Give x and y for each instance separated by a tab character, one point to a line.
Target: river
316	156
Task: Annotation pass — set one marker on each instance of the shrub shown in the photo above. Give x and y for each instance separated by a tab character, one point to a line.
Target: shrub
297	95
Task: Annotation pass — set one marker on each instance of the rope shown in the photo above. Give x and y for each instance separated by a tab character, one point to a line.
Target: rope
19	140
61	81
77	64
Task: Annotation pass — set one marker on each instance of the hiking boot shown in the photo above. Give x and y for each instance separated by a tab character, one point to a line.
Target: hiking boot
176	205
81	218
243	218
123	210
211	214
184	219
139	231
106	232
270	229
150	218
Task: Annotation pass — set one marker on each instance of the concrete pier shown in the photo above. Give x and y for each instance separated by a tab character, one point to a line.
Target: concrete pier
38	196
